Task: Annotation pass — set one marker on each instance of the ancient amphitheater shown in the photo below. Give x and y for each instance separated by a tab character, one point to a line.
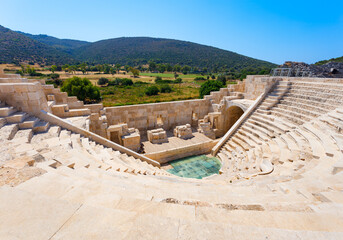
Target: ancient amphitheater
69	170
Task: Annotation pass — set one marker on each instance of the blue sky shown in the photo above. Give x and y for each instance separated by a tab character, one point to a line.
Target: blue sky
275	31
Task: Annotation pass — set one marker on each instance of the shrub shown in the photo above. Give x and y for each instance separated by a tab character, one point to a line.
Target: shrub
102	81
166	88
199	79
152	90
139	83
120	82
109	92
178	80
82	88
36	74
126	82
54	76
159	80
210	86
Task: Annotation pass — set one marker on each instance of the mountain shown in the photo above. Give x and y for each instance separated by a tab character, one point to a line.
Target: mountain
61	44
16	48
339	59
139	50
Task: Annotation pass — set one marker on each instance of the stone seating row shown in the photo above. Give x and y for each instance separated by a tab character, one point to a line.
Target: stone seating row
70	149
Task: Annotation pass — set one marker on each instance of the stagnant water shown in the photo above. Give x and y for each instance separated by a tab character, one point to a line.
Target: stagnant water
195	166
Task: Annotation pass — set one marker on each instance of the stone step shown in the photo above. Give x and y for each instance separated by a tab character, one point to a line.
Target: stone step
266	125
3	122
295	118
6	111
17	117
320	105
326	141
316	146
41	126
302	105
23	136
8	131
276	125
299	110
29	122
241	143
261	130
316	100
254	138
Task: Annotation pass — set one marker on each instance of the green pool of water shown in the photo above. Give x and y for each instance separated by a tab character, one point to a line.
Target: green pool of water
195	166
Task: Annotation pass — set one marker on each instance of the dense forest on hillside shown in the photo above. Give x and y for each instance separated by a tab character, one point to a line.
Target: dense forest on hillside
18	47
140	50
61	44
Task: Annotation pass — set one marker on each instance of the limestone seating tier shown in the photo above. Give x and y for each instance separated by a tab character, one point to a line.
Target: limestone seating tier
65	148
284	134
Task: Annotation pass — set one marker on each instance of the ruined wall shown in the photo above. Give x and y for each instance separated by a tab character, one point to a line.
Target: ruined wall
151	116
256	85
217	96
27	97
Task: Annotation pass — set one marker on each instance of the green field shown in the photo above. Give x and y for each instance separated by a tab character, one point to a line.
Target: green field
171	75
135	94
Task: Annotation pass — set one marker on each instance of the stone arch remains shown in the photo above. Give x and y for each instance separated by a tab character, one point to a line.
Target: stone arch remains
232	114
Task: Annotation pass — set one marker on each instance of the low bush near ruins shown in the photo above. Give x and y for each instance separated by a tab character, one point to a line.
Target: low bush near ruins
82	88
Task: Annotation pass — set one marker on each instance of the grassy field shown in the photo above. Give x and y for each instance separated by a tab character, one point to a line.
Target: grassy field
117	96
171	75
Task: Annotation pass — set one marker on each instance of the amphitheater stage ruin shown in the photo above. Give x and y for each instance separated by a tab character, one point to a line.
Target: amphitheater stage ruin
69	170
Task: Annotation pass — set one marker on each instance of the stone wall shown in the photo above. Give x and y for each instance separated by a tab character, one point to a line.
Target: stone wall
182	151
256	85
166	115
217	96
27	97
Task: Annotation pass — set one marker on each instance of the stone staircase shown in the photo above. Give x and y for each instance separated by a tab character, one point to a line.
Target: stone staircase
285	132
60	147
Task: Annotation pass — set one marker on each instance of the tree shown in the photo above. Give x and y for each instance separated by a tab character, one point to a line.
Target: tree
53	68
135	72
112	70
209	86
176	75
169	67
178	80
106	69
54	76
83	68
82	88
177	68
161	68
65	67
186	69
222	79
102	81
152	90
118	66
166	88
152	66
